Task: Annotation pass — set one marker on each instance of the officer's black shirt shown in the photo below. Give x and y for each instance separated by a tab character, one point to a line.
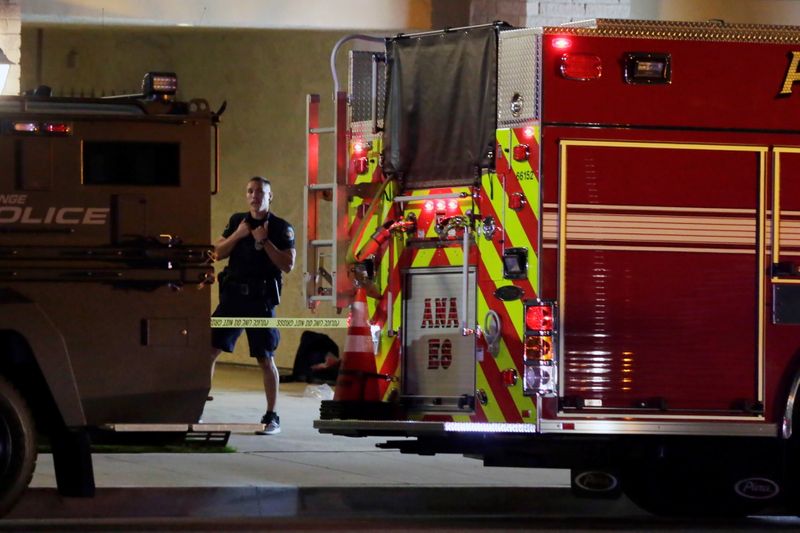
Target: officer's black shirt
247	264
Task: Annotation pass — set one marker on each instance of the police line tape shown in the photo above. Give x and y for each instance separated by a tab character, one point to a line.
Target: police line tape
219	322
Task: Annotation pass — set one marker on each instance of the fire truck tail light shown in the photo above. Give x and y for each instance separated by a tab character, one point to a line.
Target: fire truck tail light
538	349
528	132
358	148
540	379
57	127
539	318
581	67
440	205
452	205
26	127
429	205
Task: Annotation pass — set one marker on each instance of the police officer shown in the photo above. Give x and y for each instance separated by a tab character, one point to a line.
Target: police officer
260	247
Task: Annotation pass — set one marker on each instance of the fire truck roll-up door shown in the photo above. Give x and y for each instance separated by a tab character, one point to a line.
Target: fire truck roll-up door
439	367
659	279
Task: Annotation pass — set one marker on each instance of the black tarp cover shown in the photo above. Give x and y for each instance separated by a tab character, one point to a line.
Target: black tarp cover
441	107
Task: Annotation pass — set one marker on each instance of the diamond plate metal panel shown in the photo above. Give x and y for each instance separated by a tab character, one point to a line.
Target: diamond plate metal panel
519	68
367	90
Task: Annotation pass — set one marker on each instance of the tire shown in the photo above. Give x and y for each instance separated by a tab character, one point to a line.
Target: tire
704	480
18	449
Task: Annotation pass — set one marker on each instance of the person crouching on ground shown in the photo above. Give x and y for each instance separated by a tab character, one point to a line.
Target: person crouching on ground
260	247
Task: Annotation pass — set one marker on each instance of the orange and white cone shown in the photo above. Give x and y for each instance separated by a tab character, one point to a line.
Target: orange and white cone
357	380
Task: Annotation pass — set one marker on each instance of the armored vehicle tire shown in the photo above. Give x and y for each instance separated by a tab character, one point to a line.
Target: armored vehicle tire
17	445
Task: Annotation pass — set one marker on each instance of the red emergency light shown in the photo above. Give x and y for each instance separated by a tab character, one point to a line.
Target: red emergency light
528	132
562	43
429	205
61	128
452	205
358	148
581	67
440	206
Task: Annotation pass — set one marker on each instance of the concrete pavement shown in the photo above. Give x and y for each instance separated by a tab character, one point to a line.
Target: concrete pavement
294	470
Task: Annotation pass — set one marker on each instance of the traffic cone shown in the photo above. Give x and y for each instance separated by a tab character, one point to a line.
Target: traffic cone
358	377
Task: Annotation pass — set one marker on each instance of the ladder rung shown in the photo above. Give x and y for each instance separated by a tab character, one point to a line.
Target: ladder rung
322	242
322	130
320	298
321	187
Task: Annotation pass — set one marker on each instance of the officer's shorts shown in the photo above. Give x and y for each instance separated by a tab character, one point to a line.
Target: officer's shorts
263	341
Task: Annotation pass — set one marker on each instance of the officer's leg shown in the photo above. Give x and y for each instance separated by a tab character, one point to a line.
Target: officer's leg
271	380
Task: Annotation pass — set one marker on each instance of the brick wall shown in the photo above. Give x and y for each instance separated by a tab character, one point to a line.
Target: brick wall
511	11
555	12
11	41
533	13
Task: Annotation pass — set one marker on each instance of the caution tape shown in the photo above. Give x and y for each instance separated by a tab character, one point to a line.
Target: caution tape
305	323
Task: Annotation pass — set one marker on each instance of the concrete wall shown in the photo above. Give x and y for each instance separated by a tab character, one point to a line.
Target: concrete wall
10	42
273	14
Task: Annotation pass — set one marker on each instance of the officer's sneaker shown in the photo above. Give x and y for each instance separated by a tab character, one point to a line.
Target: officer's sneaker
272	424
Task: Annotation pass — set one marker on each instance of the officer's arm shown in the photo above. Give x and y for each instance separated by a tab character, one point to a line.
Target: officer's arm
224	246
283	259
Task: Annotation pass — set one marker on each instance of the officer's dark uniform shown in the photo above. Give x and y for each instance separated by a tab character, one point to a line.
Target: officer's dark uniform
250	286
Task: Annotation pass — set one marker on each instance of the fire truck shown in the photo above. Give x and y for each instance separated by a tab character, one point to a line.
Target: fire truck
582	245
104	231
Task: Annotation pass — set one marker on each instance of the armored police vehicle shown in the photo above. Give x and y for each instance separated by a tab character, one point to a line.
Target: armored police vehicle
104	225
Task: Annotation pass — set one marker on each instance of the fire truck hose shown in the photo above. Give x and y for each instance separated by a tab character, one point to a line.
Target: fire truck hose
492	331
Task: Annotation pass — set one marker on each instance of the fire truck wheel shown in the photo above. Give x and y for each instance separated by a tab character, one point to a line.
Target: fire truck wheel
682	483
17	445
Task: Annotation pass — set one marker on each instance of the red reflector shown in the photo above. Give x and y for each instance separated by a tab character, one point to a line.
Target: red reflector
581	67
562	43
568	425
509	377
521	152
362	165
539	318
517	201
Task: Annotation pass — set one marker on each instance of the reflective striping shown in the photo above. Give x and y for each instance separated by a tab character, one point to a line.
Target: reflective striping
218	322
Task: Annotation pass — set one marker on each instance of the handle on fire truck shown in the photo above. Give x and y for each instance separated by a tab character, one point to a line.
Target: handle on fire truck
216	160
339	43
465	331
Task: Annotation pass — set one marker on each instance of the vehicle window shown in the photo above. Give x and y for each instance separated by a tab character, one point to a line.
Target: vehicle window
131	163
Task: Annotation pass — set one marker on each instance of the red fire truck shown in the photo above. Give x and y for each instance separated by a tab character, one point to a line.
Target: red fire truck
583	249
